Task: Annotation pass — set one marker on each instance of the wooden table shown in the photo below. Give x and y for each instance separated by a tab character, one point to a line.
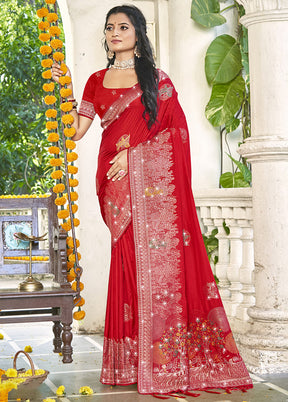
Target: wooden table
49	304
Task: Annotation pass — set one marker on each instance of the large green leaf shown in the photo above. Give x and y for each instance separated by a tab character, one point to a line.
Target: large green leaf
229	180
223	60
225	101
232	124
246	172
206	13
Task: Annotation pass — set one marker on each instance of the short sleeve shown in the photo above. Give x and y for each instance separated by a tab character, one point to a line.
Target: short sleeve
87	108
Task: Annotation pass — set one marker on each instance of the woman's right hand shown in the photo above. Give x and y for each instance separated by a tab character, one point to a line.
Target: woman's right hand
57	72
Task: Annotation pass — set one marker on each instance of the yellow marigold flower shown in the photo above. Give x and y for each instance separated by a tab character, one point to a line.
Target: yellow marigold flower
50	99
28	349
73	182
74	195
72	257
39	372
72	169
70	265
69	251
60	391
85	390
45	50
53	137
49	87
46	63
79	301
60	201
51	113
44	37
59	188
53	150
63	214
66	226
67	119
57	174
49	400
74	209
69	131
76	221
58	56
1	336
47	74
52	125
64	92
50	1
42	12
52	17
65	80
70	144
64	68
56	43
11	373
43	25
55	161
70	242
54	30
71	275
66	106
72	156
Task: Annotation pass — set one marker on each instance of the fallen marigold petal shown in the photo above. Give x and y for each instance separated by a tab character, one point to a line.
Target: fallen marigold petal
28	349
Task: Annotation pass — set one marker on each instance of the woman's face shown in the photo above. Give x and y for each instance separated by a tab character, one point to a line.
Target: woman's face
120	35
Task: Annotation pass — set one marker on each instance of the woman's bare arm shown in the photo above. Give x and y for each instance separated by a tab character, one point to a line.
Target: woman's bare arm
81	123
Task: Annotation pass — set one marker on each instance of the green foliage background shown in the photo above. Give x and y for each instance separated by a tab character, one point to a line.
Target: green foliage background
23	144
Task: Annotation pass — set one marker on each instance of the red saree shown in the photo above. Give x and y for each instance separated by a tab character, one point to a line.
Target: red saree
165	327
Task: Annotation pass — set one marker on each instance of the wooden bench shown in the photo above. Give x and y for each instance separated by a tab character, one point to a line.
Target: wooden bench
36	216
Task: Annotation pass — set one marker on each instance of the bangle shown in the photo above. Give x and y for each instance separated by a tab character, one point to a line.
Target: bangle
64	100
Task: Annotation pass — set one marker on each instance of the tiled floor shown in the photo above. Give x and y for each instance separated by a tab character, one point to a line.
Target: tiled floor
85	370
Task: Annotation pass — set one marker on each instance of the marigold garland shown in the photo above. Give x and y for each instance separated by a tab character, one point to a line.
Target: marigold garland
53	51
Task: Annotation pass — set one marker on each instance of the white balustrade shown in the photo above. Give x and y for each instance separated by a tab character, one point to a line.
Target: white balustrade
235	266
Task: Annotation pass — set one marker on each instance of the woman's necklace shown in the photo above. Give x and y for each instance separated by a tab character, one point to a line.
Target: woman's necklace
124	64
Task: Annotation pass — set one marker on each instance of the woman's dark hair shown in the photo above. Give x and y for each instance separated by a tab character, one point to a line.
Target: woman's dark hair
145	68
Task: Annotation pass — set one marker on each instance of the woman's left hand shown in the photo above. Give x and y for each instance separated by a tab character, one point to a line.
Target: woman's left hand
119	168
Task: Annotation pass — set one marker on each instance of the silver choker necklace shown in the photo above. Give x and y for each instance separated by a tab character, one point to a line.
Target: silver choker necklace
124	64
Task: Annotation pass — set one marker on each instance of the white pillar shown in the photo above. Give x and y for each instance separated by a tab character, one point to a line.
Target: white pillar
265	347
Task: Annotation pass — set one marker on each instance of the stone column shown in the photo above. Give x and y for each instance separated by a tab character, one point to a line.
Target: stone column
265	347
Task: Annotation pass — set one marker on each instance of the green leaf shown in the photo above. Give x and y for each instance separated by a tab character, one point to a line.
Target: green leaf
225	101
222	60
206	13
246	173
232	124
230	180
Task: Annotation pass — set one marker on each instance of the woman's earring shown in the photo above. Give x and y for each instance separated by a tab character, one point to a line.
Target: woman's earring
110	54
137	52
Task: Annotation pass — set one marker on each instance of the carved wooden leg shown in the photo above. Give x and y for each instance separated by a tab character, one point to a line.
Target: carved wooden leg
67	339
57	342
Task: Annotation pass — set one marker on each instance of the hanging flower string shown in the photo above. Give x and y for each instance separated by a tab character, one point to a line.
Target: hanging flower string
66	194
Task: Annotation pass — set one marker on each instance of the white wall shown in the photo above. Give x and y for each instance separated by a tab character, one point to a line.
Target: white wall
180	49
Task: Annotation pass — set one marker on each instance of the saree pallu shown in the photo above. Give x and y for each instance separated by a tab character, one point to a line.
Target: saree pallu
165	327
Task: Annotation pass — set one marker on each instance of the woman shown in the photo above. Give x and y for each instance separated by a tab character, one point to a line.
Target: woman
165	326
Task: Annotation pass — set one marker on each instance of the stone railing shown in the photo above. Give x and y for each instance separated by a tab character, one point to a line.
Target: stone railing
235	265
